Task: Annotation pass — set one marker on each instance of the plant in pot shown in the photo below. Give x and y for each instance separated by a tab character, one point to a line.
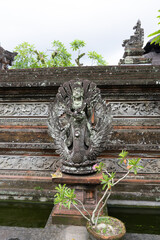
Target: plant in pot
99	226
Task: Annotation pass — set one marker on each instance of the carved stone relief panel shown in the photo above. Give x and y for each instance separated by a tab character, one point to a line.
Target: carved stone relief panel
23	109
136	109
152	122
150	165
52	163
28	162
118	109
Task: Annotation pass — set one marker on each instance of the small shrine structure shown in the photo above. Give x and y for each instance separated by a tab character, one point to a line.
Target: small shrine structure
133	47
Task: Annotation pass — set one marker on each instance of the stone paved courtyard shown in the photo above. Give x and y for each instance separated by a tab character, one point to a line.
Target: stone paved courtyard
58	232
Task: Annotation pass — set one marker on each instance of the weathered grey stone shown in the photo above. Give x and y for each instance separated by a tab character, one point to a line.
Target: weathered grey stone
27	162
23	109
133	47
41	110
60	232
134	95
6	58
150	165
80	123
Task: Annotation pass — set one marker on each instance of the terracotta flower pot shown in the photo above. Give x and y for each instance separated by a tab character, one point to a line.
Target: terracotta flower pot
119	227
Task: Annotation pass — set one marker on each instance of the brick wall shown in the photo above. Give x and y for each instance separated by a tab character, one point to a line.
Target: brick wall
133	91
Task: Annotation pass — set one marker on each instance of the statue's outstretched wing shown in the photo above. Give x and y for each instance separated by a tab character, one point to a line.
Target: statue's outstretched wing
58	122
102	130
56	128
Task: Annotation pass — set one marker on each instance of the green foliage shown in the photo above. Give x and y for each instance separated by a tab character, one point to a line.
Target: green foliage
107	181
96	58
104	230
104	219
65	196
26	57
99	167
156	40
123	156
41	59
77	44
38	188
134	165
29	57
131	164
60	56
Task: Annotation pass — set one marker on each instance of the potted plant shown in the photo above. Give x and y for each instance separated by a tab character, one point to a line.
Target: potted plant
100	227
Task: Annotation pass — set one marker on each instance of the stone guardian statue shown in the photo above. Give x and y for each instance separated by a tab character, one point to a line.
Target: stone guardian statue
80	123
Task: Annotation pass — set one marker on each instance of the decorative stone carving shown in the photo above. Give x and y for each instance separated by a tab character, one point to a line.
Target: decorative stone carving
28	162
150	165
27	145
136	39
23	109
6	58
80	122
41	109
133	47
38	163
136	109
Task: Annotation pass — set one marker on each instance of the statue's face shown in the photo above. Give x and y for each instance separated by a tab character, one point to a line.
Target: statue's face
77	92
77	97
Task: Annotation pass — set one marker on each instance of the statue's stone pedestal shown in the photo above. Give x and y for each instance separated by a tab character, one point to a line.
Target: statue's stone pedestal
87	191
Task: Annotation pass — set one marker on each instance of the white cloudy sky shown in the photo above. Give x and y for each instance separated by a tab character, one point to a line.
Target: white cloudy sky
102	24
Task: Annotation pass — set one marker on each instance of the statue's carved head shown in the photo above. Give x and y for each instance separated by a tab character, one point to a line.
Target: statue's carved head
77	95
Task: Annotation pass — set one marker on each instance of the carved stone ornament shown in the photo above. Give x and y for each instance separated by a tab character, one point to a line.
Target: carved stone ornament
6	58
80	122
137	39
133	51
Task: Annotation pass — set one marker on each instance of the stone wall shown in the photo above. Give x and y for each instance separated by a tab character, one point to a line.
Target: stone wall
133	91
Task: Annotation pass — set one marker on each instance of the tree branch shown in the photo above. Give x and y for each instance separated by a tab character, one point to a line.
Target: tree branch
81	213
121	178
83	207
102	207
97	206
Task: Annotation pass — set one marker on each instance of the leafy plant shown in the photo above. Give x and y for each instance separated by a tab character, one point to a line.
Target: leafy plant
96	58
38	188
60	56
156	40
75	46
29	57
26	57
41	58
67	197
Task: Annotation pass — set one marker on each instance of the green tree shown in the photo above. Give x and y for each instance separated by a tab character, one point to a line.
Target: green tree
26	57
97	59
29	57
60	56
75	46
42	59
156	40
